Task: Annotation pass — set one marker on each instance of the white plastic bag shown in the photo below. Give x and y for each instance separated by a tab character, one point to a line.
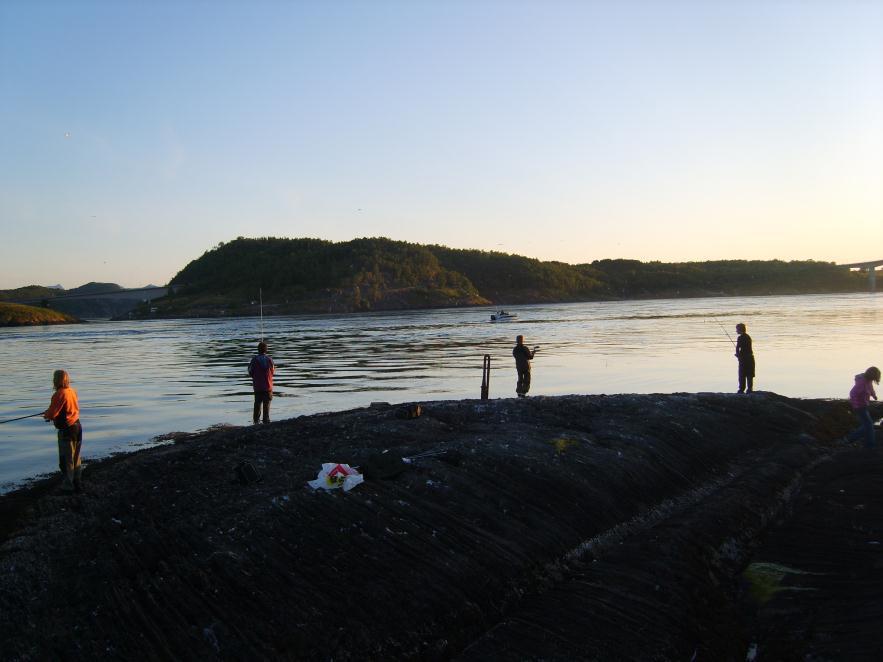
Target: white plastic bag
334	475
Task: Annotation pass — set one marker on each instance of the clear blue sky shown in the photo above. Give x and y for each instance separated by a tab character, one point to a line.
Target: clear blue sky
134	136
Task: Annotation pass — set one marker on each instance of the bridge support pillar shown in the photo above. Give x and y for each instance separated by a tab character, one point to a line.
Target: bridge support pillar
872	278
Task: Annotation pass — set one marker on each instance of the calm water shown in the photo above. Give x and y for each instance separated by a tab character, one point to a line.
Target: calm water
138	380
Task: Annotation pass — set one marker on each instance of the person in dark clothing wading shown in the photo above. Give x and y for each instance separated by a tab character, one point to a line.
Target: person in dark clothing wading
745	355
523	356
261	370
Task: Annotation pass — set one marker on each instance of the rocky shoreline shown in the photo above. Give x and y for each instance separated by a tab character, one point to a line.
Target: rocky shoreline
633	527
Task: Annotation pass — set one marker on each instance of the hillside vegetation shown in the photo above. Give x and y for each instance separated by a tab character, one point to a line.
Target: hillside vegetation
14	314
313	275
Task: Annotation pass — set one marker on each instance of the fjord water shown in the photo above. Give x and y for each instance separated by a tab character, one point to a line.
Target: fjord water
139	380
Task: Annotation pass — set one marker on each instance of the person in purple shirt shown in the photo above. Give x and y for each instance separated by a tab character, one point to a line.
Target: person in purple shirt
860	399
261	370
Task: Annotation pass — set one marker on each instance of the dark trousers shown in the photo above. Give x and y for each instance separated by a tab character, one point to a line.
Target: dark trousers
70	443
523	384
865	429
746	375
262	401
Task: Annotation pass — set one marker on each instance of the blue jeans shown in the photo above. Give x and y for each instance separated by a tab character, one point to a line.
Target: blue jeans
866	429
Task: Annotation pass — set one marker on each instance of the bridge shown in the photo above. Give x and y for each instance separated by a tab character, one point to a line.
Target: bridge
145	293
871	269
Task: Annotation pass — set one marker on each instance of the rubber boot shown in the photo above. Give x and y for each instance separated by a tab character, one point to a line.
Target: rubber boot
78	479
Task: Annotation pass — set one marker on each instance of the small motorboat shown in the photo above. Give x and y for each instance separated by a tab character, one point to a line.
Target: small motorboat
502	316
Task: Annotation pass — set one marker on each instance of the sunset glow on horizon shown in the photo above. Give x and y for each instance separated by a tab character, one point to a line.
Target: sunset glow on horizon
136	137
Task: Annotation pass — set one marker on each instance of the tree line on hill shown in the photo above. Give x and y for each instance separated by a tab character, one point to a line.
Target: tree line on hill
314	275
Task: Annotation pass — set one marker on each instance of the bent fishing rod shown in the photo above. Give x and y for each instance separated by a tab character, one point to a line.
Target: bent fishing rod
724	330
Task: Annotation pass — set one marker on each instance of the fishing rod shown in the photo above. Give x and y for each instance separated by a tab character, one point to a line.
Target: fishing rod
261	298
21	418
40	413
724	330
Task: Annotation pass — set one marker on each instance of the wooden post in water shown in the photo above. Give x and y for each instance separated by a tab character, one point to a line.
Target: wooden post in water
486	377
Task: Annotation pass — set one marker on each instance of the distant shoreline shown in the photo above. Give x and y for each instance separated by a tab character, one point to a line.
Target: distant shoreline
273	310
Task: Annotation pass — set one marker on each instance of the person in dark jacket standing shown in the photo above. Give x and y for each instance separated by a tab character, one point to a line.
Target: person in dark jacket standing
745	355
261	370
523	356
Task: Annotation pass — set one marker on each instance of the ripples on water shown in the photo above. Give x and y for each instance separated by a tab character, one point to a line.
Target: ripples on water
137	380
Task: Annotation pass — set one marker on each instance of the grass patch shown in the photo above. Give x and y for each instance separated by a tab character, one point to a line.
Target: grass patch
15	314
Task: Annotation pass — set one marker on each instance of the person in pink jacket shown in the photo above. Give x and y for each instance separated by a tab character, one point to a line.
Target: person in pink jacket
860	397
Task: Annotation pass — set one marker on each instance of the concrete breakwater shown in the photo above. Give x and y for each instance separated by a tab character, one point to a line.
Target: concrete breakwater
571	527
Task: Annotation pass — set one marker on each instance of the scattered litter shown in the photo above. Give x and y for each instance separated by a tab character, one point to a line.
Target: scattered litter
246	473
211	638
420	456
765	580
561	444
411	411
116	521
334	475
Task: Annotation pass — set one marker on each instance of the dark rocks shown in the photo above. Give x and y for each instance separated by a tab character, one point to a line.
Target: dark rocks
574	527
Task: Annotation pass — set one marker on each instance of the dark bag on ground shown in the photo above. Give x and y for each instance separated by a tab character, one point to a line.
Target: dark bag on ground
382	466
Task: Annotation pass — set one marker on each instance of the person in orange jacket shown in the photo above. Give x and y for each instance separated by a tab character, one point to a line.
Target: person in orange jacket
64	412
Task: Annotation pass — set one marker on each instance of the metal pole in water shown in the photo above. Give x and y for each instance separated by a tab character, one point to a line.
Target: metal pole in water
486	377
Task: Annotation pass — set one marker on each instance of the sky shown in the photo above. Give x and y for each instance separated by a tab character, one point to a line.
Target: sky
135	136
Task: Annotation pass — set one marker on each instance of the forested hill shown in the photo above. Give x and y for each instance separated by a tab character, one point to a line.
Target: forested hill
313	275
